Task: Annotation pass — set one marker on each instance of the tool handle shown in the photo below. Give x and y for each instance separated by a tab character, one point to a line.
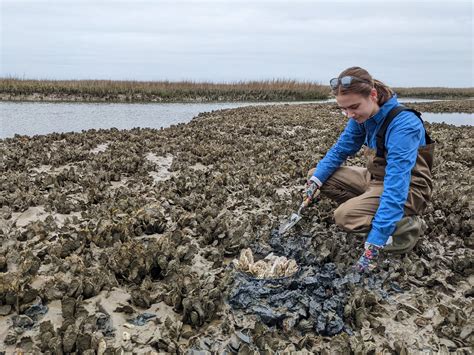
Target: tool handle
307	201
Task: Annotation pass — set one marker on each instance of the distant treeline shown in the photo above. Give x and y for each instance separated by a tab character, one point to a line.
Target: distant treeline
187	91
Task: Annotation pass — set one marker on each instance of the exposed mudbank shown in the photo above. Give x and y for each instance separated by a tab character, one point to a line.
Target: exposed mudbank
454	106
125	240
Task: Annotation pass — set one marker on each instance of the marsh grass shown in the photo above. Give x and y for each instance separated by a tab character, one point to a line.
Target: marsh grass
190	91
108	90
435	92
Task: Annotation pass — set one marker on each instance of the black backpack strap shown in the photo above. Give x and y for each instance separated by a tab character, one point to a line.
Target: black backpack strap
380	137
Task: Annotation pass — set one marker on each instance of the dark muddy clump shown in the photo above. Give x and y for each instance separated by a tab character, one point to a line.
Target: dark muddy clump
311	300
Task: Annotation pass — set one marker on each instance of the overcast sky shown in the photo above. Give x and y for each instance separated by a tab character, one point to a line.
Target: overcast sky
404	43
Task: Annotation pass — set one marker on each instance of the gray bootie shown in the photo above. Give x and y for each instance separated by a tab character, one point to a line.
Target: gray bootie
406	235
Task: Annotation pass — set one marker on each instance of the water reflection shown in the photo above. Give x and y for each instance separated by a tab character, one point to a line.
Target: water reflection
30	118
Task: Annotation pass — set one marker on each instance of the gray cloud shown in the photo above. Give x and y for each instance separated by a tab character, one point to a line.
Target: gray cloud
406	43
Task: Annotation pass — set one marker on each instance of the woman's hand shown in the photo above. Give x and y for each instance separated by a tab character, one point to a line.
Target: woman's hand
311	191
368	260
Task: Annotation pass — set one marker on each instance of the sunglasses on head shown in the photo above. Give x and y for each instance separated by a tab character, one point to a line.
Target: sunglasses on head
345	81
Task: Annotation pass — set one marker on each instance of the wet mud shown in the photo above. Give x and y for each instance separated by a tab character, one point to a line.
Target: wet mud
124	241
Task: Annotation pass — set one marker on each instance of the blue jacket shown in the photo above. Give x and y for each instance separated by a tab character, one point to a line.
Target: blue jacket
404	136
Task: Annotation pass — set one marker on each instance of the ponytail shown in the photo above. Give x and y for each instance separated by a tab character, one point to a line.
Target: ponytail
384	93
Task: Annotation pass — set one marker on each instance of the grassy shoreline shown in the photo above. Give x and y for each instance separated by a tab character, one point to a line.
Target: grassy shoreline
163	91
12	89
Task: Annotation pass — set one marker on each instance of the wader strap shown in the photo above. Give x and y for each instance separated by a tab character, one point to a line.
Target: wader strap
380	137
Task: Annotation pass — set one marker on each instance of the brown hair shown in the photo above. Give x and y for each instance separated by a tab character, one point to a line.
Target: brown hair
384	93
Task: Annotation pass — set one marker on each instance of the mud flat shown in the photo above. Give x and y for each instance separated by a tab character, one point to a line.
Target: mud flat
124	241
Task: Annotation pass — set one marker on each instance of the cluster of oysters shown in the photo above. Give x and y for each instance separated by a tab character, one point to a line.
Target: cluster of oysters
272	266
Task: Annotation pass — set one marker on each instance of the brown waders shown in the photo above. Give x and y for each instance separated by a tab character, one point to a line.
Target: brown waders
357	191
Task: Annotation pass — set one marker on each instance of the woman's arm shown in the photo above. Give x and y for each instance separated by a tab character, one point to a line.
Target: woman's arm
403	138
349	143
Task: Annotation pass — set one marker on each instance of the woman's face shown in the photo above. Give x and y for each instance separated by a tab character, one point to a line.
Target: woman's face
358	107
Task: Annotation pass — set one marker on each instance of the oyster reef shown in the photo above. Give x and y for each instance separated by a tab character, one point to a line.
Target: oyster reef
165	240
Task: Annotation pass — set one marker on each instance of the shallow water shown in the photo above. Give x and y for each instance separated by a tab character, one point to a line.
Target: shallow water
457	119
32	118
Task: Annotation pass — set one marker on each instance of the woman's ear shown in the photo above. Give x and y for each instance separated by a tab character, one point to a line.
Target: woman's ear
373	95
